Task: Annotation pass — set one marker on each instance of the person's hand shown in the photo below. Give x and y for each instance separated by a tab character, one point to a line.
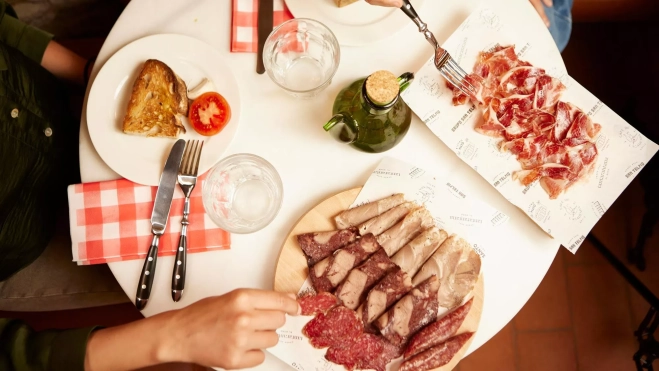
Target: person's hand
537	4
231	330
391	3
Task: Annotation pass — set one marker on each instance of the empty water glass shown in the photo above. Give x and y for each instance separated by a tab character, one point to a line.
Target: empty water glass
301	56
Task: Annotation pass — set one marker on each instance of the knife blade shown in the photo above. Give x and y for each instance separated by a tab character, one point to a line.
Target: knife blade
264	27
159	217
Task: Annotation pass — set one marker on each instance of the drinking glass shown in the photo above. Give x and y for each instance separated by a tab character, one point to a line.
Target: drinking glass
242	193
301	56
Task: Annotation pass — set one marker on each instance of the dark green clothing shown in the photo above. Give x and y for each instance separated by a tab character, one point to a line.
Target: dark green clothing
38	146
23	349
37	134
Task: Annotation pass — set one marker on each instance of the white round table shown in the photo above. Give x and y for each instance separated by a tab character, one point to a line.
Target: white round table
288	133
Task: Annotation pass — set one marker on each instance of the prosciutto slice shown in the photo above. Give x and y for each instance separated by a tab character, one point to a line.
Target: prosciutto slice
553	141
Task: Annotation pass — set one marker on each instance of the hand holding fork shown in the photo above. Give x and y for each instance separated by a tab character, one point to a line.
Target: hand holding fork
187	179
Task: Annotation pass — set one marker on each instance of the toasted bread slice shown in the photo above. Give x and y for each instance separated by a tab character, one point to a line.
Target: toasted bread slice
158	97
342	3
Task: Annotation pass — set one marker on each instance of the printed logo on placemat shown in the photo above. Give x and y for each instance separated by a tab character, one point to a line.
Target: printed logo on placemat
455	191
466	150
602	172
598	208
631	137
490	19
425	194
287	337
416	172
466	219
386	174
575	242
538	212
571	210
633	169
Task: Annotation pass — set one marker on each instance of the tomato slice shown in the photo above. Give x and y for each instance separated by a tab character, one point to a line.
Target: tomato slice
209	113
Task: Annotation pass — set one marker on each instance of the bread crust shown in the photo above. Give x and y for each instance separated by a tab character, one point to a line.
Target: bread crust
157	98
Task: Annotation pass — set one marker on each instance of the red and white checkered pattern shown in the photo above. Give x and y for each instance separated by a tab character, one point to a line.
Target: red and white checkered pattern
244	36
110	221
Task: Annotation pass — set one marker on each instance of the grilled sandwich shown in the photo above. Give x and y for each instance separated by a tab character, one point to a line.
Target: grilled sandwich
159	96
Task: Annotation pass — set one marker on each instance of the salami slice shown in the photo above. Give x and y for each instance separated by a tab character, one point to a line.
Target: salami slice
406	230
319	245
437	356
411	313
357	353
331	271
336	327
318	303
357	215
438	331
353	290
384	294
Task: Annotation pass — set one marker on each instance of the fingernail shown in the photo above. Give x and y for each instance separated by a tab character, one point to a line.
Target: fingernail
299	309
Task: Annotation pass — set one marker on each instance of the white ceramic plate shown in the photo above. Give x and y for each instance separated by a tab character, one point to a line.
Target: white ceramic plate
141	159
356	24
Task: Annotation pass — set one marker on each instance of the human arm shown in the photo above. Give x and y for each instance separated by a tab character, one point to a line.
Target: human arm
39	46
228	331
22	348
538	5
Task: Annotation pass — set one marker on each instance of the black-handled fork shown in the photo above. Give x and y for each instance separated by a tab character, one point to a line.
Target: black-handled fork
187	179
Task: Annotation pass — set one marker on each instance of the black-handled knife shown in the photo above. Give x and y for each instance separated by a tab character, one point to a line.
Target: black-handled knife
159	217
264	27
178	278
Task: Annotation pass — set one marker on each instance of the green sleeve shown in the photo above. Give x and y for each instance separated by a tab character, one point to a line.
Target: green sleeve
28	40
21	348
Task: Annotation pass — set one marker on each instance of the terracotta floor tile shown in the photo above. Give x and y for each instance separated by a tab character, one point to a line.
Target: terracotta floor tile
498	354
548	307
601	316
546	351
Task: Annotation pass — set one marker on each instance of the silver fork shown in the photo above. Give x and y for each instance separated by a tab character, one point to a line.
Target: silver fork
448	68
187	179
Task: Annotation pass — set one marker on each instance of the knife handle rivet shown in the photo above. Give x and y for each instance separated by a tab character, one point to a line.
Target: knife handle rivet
147	273
178	276
143	286
178	262
150	259
180	249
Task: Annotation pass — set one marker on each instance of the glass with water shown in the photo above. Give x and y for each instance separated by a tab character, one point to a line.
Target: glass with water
301	56
242	193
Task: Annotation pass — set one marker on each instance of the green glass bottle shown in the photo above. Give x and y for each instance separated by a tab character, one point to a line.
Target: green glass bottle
370	115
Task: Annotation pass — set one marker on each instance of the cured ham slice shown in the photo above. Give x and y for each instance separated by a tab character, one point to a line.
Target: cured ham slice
412	256
406	230
384	294
357	215
337	327
317	303
329	272
386	220
352	292
438	331
438	355
319	245
411	313
457	267
521	104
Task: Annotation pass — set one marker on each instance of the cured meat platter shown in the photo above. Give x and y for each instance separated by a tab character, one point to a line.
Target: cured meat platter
292	270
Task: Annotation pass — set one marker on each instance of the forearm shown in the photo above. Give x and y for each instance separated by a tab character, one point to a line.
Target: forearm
64	63
131	346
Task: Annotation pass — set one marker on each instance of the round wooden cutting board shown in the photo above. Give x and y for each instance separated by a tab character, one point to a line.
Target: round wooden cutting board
291	270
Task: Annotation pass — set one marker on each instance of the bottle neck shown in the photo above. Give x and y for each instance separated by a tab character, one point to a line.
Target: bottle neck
375	108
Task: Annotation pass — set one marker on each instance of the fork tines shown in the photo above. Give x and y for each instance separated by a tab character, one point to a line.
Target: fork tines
191	155
453	73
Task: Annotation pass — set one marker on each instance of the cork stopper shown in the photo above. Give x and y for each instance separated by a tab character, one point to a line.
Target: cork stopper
382	87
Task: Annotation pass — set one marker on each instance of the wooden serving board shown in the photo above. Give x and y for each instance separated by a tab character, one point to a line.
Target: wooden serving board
291	270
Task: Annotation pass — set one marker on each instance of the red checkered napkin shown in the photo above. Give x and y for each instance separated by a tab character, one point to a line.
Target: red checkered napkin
244	36
110	221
